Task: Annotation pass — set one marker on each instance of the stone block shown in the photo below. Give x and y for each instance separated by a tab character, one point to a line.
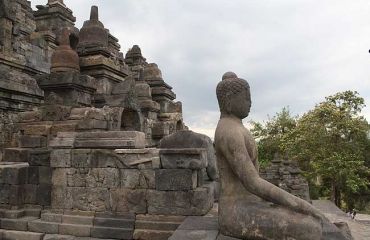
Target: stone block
199	223
132	158
129	178
147	178
106	158
114	223
175	179
58	237
51	217
60	176
62	127
44	194
81	158
74	230
77	177
15	174
14	224
44	175
43	227
103	177
128	200
39	157
194	234
110	139
60	158
33	212
190	158
4	193
30	194
116	233
19	235
43	130
195	202
151	234
16	195
32	141
90	199
33	175
74	219
13	214
15	155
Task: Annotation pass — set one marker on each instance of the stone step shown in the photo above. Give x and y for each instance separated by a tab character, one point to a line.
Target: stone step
20	235
116	233
150	225
81	220
144	234
6	213
113	222
40	226
160	218
20	224
81	230
51	217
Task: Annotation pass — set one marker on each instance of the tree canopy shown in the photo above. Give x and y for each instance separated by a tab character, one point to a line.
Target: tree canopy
330	143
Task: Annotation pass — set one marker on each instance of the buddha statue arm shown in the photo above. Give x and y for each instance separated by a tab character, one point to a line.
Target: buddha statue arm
242	166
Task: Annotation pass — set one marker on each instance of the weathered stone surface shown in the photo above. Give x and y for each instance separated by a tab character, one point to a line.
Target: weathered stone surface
44	194
19	235
43	227
75	230
195	202
61	198
191	158
194	235
90	199
44	175
103	177
14	224
116	233
190	139
60	158
39	157
15	155
175	179
111	139
14	174
223	237
30	194
286	175
32	141
127	200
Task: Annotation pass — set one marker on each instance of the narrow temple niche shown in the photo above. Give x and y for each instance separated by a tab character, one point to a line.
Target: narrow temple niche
130	120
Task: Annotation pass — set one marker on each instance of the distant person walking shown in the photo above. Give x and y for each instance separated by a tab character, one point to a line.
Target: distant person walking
353	215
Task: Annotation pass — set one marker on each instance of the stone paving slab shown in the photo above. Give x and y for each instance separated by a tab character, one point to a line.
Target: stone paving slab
359	230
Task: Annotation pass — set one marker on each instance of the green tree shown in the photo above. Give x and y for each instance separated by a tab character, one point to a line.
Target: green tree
330	144
269	135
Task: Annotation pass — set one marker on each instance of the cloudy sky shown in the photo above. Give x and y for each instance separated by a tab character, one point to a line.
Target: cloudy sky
292	52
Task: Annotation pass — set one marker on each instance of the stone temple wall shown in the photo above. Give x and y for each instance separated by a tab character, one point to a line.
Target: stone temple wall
286	175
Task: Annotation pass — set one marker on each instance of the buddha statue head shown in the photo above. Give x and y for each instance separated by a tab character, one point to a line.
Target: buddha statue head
233	95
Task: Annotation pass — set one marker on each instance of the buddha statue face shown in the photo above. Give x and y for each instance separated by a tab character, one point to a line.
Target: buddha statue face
234	96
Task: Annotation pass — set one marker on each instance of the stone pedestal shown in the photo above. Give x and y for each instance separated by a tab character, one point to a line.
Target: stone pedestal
72	87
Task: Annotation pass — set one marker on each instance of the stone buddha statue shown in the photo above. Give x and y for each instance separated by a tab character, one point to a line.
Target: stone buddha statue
249	206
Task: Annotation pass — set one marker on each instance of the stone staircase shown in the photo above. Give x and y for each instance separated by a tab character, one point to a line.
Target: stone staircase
68	226
156	227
